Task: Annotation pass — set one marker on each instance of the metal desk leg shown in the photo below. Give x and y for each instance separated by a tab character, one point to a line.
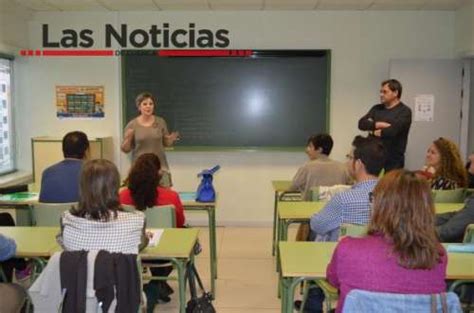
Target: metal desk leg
289	293
180	265
213	247
284	283
281	236
274	238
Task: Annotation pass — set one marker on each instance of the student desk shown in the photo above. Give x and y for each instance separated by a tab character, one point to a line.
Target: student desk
303	261
295	212
22	202
301	211
190	204
32	242
279	187
447	207
176	245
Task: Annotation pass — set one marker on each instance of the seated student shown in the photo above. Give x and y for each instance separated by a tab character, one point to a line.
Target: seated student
143	190
98	222
320	170
365	161
60	182
7	248
452	225
444	167
9	264
13	296
401	253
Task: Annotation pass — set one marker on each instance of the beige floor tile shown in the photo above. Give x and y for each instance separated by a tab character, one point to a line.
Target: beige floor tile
250	295
252	243
259	271
204	240
247	277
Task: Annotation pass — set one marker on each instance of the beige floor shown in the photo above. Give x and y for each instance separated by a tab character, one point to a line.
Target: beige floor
246	269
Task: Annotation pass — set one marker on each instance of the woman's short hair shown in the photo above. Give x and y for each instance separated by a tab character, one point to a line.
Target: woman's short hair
143	96
143	180
403	212
98	196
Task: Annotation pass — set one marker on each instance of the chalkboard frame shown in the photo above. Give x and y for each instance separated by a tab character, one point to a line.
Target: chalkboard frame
209	54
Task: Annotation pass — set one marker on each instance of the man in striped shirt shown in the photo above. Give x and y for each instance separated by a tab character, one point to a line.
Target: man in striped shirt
364	162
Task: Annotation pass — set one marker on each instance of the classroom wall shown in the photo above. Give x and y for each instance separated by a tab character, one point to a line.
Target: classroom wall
13	27
465	29
362	44
470	143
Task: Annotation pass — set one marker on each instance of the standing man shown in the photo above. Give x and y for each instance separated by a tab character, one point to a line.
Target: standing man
390	120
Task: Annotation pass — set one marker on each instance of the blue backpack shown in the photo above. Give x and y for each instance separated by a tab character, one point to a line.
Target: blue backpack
205	191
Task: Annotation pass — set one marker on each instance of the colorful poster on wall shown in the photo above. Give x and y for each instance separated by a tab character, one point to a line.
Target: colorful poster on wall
80	101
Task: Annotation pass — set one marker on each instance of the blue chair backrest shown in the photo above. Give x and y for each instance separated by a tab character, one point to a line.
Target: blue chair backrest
371	302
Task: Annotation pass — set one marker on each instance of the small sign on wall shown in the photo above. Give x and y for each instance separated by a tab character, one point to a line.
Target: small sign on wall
80	101
424	108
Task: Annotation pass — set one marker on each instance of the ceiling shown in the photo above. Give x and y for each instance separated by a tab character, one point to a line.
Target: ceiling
233	5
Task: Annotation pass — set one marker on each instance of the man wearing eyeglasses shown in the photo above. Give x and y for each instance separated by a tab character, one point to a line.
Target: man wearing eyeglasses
390	120
364	163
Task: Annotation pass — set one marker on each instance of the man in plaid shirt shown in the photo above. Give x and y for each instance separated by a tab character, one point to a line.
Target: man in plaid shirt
364	163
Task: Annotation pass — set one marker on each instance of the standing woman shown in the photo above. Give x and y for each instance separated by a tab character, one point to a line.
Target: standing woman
148	133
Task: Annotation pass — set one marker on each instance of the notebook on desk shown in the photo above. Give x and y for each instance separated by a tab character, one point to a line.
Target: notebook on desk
20	196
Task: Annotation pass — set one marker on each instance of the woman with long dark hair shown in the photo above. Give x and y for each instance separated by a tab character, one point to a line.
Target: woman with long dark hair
143	190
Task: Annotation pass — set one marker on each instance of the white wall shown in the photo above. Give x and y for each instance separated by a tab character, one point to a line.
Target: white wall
13	27
362	44
465	29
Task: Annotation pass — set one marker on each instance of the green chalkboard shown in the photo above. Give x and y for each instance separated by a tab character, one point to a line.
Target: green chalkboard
267	99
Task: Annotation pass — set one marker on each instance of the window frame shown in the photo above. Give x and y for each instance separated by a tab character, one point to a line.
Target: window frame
11	114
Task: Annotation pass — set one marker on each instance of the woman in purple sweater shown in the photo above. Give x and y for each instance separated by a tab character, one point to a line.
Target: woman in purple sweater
401	253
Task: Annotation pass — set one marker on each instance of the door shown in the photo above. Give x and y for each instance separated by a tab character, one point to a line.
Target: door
441	79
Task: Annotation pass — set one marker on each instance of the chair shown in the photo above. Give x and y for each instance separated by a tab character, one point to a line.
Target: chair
13	297
469	234
370	302
314	194
46	294
449	196
161	216
352	230
49	214
468	192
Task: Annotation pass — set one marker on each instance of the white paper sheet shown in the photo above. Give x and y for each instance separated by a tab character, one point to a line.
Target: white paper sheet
424	108
155	240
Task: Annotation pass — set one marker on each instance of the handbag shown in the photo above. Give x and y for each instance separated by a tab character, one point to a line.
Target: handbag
205	191
202	304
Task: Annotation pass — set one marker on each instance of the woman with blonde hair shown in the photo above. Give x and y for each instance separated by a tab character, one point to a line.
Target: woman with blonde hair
401	252
444	166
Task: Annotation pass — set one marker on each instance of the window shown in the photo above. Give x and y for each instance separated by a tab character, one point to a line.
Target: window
7	161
